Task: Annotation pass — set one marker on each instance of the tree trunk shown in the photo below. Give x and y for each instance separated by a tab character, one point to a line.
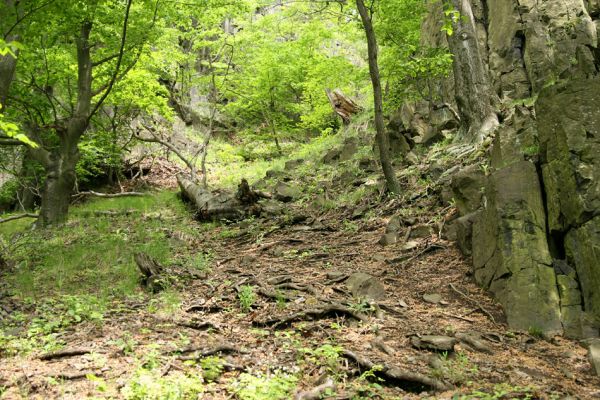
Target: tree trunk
56	197
474	93
382	138
8	66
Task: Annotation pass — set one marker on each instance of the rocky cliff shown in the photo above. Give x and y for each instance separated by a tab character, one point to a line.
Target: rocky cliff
525	80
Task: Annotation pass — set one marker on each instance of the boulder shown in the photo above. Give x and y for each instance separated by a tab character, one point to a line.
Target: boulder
363	285
344	153
293	164
421	231
461	231
388	239
594	356
286	193
467	188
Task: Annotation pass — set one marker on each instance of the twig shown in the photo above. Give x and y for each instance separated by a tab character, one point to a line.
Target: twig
15	217
486	312
110	195
457	317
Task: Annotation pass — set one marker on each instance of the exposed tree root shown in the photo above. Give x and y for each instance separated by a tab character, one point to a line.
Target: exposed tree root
200	353
325	311
197	325
317	392
480	307
410	381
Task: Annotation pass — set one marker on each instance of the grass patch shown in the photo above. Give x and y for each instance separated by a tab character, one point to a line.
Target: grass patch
92	254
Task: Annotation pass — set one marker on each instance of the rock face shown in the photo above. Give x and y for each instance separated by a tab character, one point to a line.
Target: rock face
532	221
510	251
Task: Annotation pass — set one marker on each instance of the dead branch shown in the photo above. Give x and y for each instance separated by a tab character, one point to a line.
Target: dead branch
63	354
156	139
15	217
325	311
110	195
404	379
479	306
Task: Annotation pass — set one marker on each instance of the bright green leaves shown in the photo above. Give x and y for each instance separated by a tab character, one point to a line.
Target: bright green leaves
284	61
408	66
11	130
9	48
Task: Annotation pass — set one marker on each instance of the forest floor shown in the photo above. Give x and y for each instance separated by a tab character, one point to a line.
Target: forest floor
261	309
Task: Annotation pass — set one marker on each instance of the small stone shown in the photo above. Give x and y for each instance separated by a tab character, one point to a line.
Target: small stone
433	342
410	245
412	158
433	298
421	231
388	239
292	164
286	193
335	275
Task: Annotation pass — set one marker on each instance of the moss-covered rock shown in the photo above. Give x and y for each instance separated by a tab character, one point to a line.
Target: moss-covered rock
583	247
510	251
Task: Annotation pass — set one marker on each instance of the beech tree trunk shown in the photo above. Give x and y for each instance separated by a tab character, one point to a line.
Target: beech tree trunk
474	92
60	180
383	141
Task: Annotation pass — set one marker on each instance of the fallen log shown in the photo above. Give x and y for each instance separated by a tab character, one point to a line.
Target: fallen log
221	204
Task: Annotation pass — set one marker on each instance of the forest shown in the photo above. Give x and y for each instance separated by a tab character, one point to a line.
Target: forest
299	199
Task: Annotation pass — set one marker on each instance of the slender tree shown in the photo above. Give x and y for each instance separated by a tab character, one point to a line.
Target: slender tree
381	133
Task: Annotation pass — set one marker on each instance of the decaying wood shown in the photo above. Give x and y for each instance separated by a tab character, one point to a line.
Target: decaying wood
393	375
64	353
217	205
151	272
323	312
343	105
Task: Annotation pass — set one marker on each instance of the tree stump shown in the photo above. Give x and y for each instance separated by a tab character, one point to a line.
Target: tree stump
343	105
151	272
